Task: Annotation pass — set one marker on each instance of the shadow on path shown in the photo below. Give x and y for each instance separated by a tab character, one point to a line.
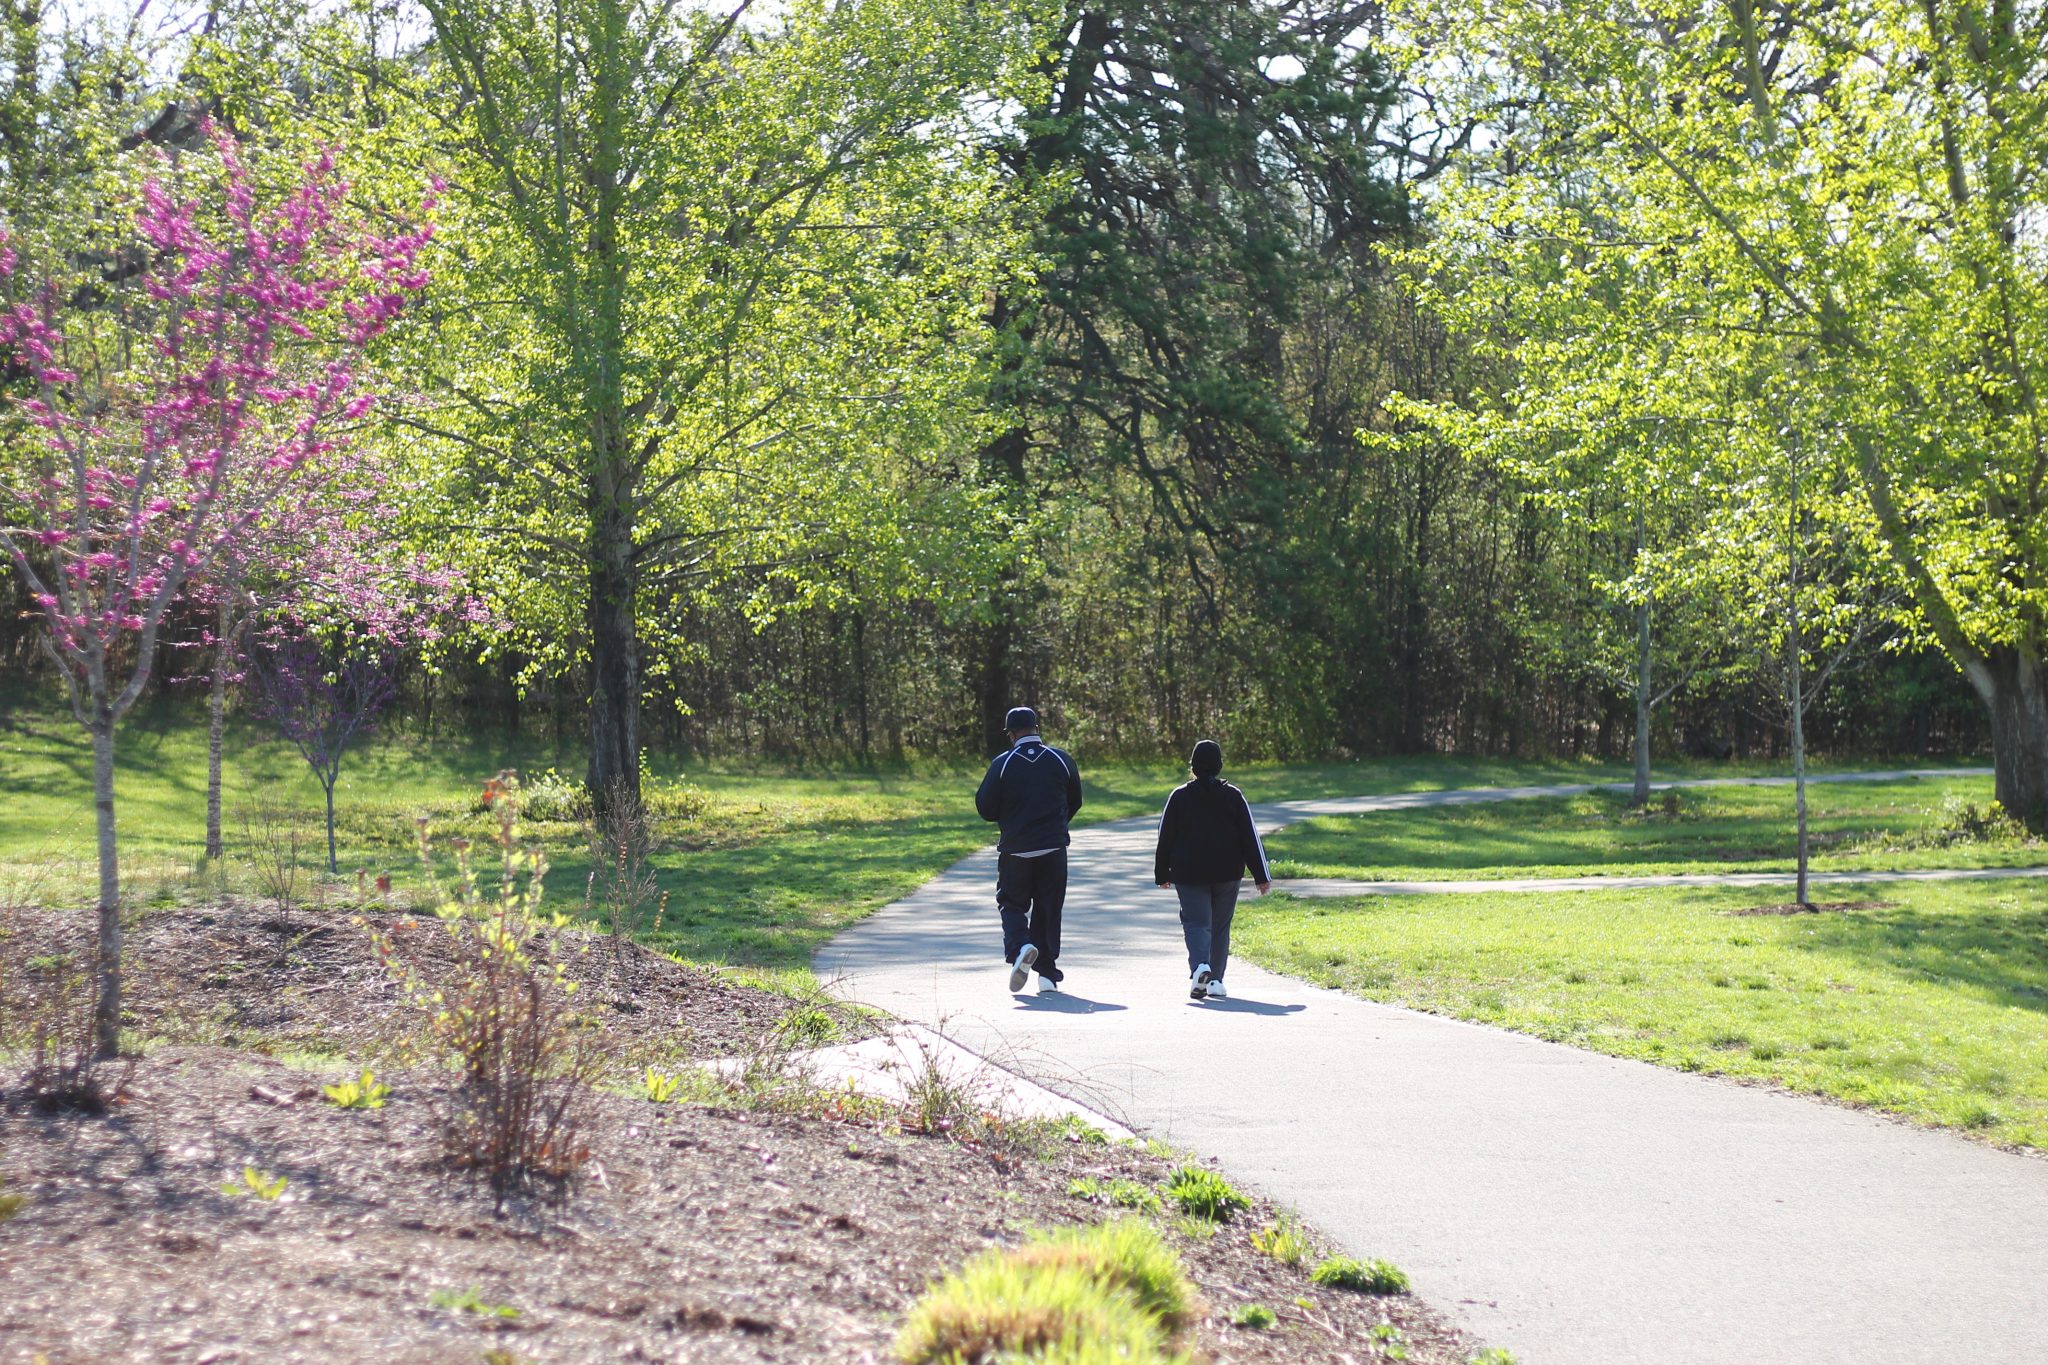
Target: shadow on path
1065	1003
1237	1006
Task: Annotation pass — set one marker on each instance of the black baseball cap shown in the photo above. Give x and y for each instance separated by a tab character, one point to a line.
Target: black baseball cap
1020	718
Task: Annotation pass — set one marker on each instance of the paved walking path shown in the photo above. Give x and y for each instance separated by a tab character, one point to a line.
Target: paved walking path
1580	1209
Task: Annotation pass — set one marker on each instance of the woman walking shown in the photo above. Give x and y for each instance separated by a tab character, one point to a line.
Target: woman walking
1206	842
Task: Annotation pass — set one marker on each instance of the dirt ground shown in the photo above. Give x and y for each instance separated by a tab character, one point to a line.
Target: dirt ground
247	973
697	1234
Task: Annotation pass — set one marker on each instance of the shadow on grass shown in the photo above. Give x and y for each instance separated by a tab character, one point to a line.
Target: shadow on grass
2001	954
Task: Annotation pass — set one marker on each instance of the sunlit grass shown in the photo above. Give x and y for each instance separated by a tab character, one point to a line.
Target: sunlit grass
1934	1006
1856	826
778	861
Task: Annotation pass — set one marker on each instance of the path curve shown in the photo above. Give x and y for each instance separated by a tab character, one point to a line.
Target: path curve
1580	1209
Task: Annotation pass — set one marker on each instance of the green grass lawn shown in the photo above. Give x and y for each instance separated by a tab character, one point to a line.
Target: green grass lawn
1934	1006
774	864
1856	826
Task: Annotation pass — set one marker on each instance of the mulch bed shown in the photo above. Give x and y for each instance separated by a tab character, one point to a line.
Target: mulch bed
251	972
697	1234
1812	908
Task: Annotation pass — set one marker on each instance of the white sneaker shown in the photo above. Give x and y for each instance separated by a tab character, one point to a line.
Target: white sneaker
1198	984
1216	991
1047	986
1020	970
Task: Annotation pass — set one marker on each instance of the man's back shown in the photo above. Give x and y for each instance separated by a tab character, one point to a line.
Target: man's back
1031	791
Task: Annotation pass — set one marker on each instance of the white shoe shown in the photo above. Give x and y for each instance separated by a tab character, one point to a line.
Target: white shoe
1047	986
1198	984
1020	970
1216	991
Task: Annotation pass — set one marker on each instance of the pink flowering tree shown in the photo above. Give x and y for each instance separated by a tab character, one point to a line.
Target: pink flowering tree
175	411
317	561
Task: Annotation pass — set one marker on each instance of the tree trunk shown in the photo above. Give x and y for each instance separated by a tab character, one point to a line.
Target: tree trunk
1640	796
106	1014
2014	686
216	731
1795	678
332	866
1798	699
614	660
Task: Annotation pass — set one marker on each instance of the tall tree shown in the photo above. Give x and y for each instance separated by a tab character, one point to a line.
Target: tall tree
1203	164
1873	170
716	264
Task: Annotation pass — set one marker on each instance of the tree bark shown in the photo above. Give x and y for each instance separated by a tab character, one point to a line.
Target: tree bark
106	1015
614	659
216	732
1640	796
332	866
2014	687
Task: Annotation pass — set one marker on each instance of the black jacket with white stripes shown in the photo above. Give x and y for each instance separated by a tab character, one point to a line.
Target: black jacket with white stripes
1031	790
1206	834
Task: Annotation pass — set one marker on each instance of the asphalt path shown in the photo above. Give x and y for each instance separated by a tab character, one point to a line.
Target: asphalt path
1570	1206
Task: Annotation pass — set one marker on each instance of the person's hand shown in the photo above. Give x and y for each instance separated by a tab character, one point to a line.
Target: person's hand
1166	886
1264	887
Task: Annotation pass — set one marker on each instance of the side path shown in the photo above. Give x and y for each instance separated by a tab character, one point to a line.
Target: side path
1580	1209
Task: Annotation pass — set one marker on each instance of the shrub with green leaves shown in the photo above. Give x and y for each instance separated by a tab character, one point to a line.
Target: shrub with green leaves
255	1184
1365	1277
1118	1193
471	1301
1203	1193
364	1092
1492	1355
1284	1241
1255	1316
1109	1294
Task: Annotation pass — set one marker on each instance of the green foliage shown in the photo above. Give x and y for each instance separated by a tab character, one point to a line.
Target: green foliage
1364	1277
11	1205
1286	1241
1203	1193
364	1092
1492	1355
1074	1128
471	1300
660	1087
1254	1317
258	1185
1391	1341
1744	321
808	1026
1118	1192
1081	1296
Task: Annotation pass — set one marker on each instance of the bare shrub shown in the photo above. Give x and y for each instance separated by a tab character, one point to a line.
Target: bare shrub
501	1018
622	892
46	1009
273	836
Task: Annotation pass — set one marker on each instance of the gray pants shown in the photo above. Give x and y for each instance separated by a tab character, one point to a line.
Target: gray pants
1205	911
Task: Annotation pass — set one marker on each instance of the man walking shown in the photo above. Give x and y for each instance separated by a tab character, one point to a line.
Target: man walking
1032	790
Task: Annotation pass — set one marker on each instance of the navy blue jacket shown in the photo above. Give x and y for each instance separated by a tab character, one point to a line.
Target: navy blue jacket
1206	834
1031	790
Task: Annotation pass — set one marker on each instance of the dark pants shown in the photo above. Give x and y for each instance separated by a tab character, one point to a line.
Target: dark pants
1205	911
1030	892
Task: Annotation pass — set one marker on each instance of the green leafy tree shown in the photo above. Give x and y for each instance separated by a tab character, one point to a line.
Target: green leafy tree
1862	181
1204	165
720	280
